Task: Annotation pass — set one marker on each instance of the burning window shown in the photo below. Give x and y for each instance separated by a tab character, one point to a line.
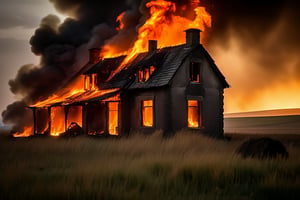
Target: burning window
145	73
195	72
90	82
113	115
147	113
74	115
57	120
194	117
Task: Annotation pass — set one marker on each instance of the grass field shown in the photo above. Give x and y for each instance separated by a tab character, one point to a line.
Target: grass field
187	166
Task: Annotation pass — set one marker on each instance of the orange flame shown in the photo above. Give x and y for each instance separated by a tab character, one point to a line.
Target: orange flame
75	87
120	20
57	121
193	114
26	133
147	113
164	26
113	115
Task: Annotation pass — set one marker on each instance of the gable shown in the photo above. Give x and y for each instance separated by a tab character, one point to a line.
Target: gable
166	62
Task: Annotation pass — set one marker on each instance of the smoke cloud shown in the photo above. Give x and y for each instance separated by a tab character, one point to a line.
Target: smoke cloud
256	46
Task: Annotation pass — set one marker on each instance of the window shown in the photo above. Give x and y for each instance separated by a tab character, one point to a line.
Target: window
90	82
145	73
194	117
195	72
147	113
113	118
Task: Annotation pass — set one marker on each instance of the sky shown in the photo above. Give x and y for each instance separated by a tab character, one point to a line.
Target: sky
18	21
254	43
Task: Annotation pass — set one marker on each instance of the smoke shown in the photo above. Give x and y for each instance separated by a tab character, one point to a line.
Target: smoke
256	46
248	38
63	50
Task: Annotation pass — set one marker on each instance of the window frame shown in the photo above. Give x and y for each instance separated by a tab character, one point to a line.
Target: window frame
200	111
108	118
90	82
191	74
145	73
142	112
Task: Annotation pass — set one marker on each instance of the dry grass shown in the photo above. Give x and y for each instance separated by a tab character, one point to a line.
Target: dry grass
187	166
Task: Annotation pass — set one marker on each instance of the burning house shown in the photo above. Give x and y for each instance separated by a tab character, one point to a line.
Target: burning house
169	89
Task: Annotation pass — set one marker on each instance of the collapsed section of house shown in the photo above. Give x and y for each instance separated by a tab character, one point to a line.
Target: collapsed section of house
169	89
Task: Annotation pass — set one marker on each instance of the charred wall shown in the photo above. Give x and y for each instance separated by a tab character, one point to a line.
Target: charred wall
209	92
131	109
95	118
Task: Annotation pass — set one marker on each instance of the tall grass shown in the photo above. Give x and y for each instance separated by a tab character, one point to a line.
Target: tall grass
186	166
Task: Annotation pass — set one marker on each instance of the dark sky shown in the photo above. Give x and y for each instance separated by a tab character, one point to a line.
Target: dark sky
254	43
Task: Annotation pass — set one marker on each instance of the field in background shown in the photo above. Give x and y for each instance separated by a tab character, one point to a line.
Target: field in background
187	166
288	126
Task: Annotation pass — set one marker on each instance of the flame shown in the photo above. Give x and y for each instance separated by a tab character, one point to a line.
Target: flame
163	25
28	131
76	91
120	20
193	114
147	113
57	121
75	87
113	115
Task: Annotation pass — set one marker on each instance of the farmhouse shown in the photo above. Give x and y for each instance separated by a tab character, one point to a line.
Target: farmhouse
168	89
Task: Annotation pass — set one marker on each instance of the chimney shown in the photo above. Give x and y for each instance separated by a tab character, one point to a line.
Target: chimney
152	45
94	55
192	37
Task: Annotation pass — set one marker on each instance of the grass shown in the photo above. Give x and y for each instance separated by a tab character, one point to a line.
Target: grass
186	166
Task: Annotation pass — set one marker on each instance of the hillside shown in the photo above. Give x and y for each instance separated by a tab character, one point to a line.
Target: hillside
286	125
265	113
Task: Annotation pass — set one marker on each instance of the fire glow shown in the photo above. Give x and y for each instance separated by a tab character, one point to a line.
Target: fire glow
193	114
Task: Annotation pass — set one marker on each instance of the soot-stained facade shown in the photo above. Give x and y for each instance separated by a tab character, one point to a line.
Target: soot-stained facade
167	89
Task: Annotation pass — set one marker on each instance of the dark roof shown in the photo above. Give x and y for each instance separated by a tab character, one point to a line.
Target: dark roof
166	60
107	64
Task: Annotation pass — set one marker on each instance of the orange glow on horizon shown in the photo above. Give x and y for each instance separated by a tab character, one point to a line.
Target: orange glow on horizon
269	98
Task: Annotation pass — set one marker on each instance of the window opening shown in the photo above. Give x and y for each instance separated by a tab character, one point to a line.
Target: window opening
113	116
194	118
147	113
145	73
195	72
